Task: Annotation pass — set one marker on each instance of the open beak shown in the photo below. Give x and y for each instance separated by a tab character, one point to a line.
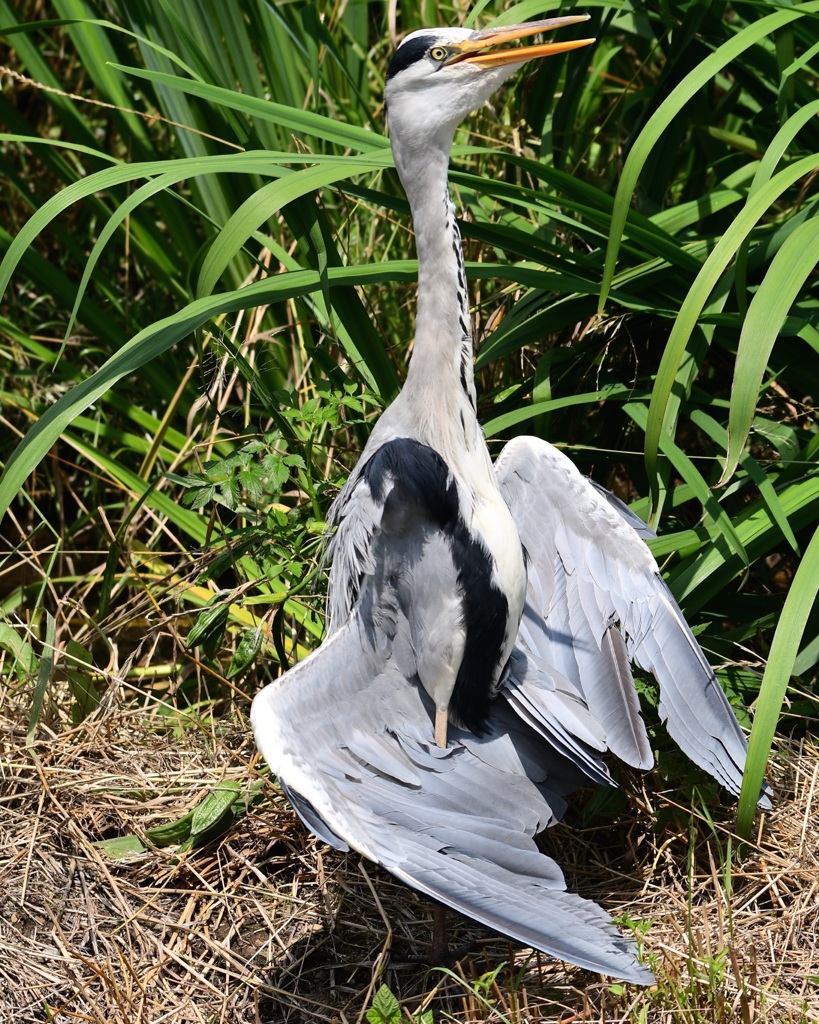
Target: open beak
475	50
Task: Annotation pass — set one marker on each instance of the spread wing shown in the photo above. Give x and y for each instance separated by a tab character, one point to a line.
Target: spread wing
349	732
595	603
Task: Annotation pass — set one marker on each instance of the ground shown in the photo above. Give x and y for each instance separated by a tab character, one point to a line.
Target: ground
265	924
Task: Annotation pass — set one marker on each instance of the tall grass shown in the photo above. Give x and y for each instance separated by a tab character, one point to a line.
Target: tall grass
207	297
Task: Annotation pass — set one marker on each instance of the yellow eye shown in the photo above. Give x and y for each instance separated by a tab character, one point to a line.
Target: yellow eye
438	53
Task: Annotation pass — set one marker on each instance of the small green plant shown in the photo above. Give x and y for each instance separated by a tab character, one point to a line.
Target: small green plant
385	1009
249	477
480	990
639	929
210	819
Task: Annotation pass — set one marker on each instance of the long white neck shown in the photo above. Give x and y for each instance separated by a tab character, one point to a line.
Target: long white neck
442	352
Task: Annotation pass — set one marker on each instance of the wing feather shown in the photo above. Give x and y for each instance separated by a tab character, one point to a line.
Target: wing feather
349	732
608	596
350	738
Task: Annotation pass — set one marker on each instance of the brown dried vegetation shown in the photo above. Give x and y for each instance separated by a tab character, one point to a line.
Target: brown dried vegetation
264	924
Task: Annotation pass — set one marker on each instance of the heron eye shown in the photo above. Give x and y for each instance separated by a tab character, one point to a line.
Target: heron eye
438	53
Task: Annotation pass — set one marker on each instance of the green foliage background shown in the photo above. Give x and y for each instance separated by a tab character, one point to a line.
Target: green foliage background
207	297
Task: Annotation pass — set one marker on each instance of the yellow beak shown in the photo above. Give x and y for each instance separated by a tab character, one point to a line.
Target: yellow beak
475	49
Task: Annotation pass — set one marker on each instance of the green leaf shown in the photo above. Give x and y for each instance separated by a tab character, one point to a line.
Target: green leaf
267	201
670	108
43	676
784	649
213	812
754	470
24	660
385	1008
714	512
658	423
500	424
121	847
172	833
210	625
80	682
790	268
246	651
712	566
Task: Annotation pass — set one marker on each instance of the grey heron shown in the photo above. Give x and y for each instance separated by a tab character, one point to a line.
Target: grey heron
481	620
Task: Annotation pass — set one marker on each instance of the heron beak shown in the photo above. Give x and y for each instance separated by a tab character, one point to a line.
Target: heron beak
475	49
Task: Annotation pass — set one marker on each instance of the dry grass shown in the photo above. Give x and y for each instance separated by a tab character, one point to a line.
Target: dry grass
266	925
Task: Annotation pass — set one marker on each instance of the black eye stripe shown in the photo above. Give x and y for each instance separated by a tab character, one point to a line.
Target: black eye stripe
408	53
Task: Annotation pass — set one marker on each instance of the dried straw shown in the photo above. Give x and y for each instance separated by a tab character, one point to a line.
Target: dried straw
267	925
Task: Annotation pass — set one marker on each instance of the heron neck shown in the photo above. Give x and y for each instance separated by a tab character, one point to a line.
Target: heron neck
443	334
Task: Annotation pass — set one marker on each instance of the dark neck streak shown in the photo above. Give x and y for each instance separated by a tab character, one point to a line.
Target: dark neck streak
465	372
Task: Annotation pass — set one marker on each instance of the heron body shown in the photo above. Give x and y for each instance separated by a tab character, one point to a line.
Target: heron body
481	620
427	466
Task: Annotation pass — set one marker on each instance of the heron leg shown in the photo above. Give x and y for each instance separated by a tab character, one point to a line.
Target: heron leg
440	946
440	726
440	955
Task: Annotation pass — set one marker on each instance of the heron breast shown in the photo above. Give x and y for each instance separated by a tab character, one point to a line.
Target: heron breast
493	523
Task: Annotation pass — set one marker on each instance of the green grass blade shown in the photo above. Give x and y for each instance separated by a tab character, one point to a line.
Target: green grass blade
714	511
767	491
43	675
163	335
267	201
779	143
709	570
500	424
713	269
784	649
317	125
191	523
773	154
669	109
792	265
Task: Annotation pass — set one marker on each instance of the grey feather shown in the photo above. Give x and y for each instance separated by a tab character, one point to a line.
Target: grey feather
605	579
641	528
313	821
558	717
463	833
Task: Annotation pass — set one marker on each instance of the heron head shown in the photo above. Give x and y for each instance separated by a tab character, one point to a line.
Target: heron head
438	76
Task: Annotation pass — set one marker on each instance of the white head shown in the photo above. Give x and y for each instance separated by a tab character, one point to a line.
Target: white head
438	76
